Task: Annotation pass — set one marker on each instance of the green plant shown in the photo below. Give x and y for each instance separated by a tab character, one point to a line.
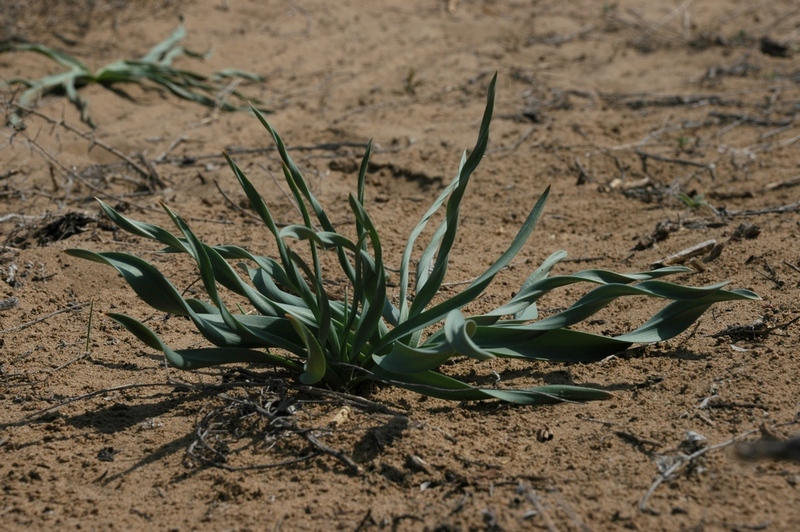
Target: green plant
411	82
694	201
683	142
155	66
364	336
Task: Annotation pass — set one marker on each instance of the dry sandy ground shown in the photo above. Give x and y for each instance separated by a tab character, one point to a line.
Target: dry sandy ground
619	106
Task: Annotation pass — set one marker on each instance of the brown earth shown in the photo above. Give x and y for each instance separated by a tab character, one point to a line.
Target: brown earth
619	107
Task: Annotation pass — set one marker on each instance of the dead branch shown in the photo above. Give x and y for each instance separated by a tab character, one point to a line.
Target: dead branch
86	135
234	204
533	498
788	183
680	462
788	450
643	155
747	119
685	254
781	209
339	455
583	174
69	308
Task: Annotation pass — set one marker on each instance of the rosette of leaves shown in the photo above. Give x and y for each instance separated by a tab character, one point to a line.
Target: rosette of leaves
154	67
289	320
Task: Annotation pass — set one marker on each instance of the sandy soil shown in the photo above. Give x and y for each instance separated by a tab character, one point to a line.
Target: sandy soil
618	106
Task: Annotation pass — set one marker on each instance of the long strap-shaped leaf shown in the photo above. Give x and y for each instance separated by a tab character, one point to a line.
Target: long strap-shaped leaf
559	345
295	278
157	52
438	312
603	295
207	272
441	386
534	290
155	290
302	187
59	57
531	312
680	315
322	309
424	262
373	279
188	359
143	229
427	291
456	340
315	368
548	340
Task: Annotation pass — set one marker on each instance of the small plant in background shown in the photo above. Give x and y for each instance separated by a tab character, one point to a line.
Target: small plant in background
684	142
695	201
363	336
411	82
155	66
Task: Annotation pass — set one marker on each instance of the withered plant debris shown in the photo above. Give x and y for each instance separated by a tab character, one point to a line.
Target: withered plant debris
665	228
773	48
266	424
63	227
746	231
788	450
683	255
753	330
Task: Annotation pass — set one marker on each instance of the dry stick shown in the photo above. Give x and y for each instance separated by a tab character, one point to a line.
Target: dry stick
277	184
561	501
152	176
89	395
233	204
563	38
791	207
66	364
201	438
645	155
88	136
348	398
50	157
747	119
305	433
685	254
642	142
325	146
773	132
172	146
657	27
724	130
9	173
339	455
355	400
766	147
206	426
255	467
788	183
43	318
513	147
792	266
682	461
583	174
54	160
531	495
238	208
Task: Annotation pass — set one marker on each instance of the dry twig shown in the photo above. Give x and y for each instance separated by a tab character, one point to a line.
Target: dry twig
681	461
